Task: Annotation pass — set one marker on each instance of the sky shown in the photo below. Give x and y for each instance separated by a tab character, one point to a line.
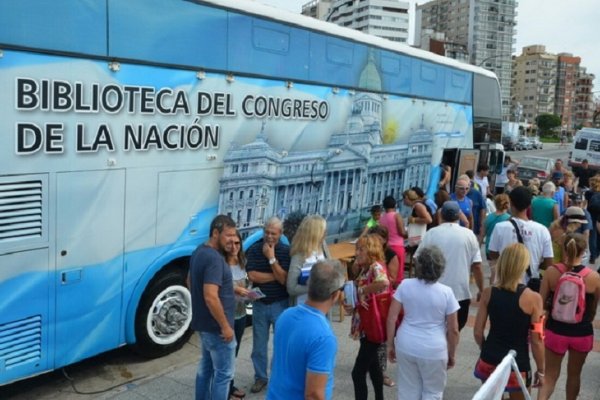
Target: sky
571	26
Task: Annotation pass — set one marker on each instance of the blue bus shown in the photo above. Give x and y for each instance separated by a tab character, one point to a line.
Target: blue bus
126	126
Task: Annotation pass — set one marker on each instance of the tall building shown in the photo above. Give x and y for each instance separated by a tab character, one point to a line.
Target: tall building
584	100
316	8
437	43
545	83
534	82
485	27
384	18
566	82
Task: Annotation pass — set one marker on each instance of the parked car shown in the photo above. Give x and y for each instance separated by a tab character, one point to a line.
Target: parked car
524	144
536	143
534	167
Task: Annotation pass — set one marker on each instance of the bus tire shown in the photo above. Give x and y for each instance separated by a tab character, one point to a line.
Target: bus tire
162	322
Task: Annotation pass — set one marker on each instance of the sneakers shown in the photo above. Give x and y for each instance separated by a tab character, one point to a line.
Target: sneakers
258	386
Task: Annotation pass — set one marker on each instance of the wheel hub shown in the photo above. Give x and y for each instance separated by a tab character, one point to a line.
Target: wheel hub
169	314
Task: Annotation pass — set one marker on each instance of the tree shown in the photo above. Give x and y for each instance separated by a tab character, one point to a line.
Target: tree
547	122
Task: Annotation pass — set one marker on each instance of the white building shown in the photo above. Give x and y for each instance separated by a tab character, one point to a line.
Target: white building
384	18
485	27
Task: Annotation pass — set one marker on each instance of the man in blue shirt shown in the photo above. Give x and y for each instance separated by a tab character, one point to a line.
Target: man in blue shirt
463	184
304	346
268	262
211	285
478	202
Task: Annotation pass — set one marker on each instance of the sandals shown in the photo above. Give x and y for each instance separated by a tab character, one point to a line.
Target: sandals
387	381
237	394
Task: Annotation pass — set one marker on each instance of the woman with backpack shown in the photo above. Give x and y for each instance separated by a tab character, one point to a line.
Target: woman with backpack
569	326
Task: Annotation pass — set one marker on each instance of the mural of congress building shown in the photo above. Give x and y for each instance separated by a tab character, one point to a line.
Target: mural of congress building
340	182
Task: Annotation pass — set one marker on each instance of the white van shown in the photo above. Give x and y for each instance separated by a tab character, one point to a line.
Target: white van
586	146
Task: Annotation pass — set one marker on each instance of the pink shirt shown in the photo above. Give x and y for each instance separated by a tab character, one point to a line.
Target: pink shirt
388	219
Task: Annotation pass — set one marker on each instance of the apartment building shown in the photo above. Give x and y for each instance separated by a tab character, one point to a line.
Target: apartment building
583	105
384	18
436	42
485	27
317	8
545	83
534	82
566	82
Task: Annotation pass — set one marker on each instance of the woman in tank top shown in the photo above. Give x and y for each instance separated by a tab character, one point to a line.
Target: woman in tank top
513	310
393	222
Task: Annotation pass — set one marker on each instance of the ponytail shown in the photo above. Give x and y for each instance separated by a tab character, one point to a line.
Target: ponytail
574	246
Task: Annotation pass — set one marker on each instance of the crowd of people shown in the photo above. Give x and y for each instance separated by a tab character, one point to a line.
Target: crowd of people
540	245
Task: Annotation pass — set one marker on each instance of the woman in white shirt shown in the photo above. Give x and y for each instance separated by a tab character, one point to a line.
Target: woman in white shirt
425	343
308	247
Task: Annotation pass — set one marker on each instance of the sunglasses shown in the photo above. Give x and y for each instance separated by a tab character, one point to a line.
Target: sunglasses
341	289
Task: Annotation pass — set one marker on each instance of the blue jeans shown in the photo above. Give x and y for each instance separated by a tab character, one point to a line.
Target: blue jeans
263	316
216	368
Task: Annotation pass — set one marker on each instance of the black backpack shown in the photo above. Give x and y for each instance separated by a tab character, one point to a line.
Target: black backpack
594	205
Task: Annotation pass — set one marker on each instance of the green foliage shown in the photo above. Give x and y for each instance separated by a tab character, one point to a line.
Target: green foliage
547	122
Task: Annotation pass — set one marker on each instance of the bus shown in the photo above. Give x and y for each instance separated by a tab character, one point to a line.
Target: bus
126	126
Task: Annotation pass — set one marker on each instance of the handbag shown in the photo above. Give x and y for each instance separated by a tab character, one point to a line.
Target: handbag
373	320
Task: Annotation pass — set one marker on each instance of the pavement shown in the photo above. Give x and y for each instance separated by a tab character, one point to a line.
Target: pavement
119	375
179	382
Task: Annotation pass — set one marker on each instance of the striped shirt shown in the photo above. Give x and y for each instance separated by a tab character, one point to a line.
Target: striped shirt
256	261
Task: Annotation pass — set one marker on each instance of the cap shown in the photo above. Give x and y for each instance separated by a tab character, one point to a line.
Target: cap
450	211
557	175
575	214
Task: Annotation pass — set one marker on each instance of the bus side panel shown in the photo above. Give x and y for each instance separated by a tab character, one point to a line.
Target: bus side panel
266	48
89	260
459	86
336	61
198	37
24	314
62	25
428	79
396	72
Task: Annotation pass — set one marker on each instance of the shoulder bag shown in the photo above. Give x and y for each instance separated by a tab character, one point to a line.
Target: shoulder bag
532	283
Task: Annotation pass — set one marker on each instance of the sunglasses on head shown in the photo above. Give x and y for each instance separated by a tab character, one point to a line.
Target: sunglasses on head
340	289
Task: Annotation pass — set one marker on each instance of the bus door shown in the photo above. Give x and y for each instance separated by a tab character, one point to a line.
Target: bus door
89	263
461	161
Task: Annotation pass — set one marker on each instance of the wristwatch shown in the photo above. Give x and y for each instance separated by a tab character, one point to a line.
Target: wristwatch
272	261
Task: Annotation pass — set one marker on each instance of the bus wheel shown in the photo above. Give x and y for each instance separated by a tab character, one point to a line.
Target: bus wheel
162	323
